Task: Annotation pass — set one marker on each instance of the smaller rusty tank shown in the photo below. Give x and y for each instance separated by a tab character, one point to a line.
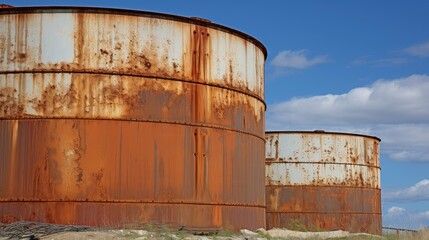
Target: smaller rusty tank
323	181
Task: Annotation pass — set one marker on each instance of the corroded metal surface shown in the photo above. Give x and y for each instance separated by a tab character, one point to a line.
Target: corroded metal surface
126	42
115	97
112	117
323	180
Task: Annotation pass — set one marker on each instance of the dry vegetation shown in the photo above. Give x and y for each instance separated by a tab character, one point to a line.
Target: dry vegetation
33	231
420	235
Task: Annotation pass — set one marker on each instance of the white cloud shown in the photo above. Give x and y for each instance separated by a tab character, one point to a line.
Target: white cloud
419	50
401	218
406	155
296	59
384	102
418	192
404	142
397	111
396	211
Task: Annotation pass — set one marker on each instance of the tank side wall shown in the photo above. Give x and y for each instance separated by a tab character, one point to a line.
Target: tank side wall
161	120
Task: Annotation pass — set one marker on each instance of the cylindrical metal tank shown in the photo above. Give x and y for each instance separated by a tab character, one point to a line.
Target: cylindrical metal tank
323	181
118	117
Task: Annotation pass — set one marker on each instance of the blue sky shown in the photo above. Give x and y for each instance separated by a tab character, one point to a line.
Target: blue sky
351	66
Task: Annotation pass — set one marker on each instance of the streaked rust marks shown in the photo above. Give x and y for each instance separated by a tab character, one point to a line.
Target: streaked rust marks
79	161
200	49
120	44
123	97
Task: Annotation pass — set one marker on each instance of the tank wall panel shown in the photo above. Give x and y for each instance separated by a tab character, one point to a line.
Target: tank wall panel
323	174
99	96
311	147
323	199
100	160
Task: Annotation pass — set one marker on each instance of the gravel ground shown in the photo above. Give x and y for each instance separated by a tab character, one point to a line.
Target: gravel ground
39	231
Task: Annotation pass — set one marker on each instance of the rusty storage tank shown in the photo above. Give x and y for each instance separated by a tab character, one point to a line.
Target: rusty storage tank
115	117
323	180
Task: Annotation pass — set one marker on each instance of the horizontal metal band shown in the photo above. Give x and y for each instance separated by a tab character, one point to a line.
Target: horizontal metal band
135	120
400	229
322	163
133	201
321	132
326	212
324	186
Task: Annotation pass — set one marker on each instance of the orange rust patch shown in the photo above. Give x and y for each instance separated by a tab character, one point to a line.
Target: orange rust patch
9	103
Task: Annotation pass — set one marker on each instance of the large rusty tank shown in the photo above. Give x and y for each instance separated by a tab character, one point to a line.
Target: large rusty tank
117	117
323	181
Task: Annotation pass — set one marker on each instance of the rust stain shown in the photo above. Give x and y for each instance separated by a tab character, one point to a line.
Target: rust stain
53	101
200	48
9	103
145	61
105	97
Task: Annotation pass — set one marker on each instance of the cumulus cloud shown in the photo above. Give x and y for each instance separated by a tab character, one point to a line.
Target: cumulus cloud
396	110
384	102
404	142
418	50
401	218
297	59
419	156
394	211
418	192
